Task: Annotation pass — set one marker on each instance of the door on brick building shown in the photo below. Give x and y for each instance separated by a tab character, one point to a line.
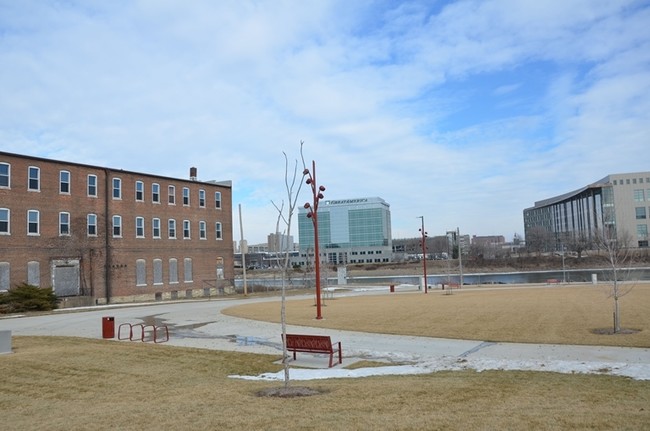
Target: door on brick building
65	277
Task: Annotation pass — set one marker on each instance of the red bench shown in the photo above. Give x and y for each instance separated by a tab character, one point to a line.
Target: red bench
552	281
314	344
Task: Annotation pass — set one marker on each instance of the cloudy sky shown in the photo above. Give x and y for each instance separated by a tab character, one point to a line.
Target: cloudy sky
463	112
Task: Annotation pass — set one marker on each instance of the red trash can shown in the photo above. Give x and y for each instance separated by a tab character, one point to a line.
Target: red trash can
108	327
392	288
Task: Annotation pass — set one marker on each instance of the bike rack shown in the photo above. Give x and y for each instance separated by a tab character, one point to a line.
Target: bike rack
143	332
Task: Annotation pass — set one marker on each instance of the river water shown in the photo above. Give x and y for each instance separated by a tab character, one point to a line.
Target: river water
569	276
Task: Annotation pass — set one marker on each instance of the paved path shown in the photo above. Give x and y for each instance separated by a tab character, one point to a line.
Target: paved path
201	324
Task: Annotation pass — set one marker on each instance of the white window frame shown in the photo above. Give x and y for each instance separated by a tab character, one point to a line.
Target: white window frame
171	195
217	200
202	230
116	188
186	196
218	231
6	211
171	228
7	176
155	228
201	198
91	221
37	179
64	224
116	224
155	193
65	183
37	222
187	229
91	189
139	191
139	227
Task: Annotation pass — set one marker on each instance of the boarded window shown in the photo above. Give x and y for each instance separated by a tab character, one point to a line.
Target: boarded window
157	271
33	273
140	272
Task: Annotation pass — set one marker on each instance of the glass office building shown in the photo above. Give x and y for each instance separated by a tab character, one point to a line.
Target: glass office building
349	231
619	203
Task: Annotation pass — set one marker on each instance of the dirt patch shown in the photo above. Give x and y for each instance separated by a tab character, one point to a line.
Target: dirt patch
289	392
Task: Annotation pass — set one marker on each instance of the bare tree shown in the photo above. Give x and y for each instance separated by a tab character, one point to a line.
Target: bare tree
291	181
616	250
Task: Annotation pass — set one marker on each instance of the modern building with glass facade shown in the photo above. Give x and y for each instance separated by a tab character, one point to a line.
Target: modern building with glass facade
349	231
619	203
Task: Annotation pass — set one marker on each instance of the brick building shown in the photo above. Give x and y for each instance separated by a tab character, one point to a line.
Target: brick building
100	235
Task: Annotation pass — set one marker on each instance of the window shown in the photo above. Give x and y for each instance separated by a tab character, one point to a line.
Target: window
139	191
640	213
202	198
172	228
186	229
187	267
139	227
171	195
157	271
186	196
638	195
64	182
34	179
5	278
117	226
140	272
91	223
155	228
33	222
217	200
173	271
155	193
117	188
92	185
202	232
642	231
5	175
218	233
4	221
64	223
34	273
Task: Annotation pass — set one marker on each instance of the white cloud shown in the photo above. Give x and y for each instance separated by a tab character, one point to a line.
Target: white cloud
227	86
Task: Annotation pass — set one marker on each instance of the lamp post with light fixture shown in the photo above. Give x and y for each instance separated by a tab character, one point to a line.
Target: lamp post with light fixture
313	215
424	254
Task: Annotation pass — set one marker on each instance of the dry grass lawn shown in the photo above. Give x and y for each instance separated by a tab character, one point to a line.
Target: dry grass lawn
79	384
556	315
56	383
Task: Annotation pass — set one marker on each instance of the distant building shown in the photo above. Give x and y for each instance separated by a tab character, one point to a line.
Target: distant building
618	202
101	235
278	242
349	231
490	240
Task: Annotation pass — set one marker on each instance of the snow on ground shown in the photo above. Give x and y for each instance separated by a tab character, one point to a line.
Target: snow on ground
634	371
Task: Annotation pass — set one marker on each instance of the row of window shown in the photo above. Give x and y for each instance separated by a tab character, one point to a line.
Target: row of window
629	181
34	184
33	226
34	278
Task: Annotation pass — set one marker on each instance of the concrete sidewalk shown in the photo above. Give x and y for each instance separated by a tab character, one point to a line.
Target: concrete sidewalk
201	324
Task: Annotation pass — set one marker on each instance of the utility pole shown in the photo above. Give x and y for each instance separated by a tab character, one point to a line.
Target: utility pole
242	247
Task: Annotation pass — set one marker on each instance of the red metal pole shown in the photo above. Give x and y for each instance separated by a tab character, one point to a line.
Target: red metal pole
314	216
424	256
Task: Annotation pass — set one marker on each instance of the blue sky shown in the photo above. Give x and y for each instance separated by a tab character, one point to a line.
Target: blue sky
463	112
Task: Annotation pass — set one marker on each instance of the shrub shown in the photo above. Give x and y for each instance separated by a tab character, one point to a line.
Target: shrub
25	297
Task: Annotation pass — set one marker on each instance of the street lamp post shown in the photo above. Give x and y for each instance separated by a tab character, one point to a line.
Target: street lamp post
424	254
313	215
